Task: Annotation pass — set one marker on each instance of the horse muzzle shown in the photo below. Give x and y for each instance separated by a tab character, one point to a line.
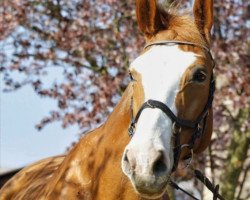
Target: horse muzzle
149	174
150	187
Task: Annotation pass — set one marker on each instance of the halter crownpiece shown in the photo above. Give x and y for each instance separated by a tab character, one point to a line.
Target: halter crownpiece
174	42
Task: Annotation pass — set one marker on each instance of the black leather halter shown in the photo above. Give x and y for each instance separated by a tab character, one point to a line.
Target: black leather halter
198	125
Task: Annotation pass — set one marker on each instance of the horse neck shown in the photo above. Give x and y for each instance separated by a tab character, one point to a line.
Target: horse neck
95	148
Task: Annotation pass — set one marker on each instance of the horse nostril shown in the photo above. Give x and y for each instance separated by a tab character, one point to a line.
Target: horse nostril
128	162
125	158
159	166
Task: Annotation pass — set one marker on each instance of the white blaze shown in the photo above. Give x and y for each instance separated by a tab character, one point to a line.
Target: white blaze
161	69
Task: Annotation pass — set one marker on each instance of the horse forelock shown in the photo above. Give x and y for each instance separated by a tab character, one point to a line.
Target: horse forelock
181	28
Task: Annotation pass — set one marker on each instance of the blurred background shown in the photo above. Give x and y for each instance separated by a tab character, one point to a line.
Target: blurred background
63	67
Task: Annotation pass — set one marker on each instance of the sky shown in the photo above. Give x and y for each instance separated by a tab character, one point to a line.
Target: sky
20	142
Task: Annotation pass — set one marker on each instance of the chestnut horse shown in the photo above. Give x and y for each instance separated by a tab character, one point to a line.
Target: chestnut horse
167	107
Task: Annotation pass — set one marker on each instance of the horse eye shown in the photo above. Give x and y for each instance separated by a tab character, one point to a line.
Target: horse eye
199	76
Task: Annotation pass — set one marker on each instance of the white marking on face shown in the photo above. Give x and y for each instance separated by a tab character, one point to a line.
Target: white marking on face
161	69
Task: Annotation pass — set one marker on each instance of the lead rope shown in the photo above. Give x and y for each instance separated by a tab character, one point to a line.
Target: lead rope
202	178
177	187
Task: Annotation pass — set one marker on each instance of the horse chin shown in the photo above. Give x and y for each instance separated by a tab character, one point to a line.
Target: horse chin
150	190
151	194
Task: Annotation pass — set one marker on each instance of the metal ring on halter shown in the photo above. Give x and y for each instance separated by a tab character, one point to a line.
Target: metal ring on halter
174	128
191	157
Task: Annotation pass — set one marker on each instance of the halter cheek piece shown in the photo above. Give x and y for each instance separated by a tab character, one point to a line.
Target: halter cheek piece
198	125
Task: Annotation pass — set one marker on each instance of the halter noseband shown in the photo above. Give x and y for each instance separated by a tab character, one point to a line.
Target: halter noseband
198	125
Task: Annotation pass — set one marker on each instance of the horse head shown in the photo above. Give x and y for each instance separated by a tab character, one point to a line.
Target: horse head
172	94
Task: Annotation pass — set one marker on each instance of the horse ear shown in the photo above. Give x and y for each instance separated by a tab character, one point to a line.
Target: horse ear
150	17
203	15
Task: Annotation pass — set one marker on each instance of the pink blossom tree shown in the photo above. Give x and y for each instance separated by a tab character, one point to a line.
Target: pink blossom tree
91	43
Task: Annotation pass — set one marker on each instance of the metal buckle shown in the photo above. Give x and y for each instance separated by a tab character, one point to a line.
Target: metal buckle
131	130
199	127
